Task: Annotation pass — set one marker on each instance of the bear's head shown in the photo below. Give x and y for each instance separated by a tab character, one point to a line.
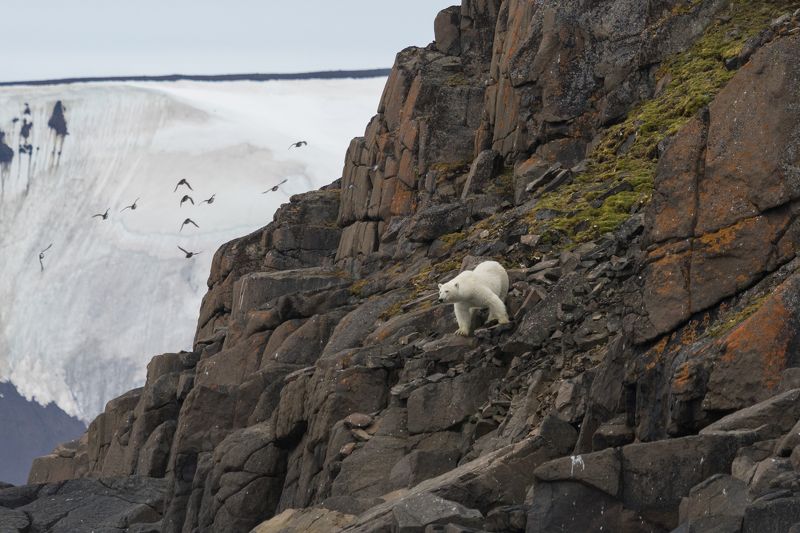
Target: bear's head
448	292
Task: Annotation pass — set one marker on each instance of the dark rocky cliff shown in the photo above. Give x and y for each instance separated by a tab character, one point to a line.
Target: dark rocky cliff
635	167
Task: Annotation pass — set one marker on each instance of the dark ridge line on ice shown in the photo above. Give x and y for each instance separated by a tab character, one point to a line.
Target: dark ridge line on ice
320	75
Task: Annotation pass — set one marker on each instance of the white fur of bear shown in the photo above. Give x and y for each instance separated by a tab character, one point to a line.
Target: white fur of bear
486	286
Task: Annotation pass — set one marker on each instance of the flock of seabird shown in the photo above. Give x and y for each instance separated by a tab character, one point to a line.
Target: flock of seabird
185	198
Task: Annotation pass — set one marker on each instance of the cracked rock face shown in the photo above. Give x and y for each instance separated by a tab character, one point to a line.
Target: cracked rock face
108	504
723	211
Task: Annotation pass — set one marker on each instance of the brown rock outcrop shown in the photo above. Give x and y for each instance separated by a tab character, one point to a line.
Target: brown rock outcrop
723	212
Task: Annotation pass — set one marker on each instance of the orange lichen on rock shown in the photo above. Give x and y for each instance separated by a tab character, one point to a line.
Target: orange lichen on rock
690	334
402	201
666	291
682	377
656	353
765	334
721	241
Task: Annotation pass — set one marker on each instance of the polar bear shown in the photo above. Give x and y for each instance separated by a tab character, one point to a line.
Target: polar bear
486	286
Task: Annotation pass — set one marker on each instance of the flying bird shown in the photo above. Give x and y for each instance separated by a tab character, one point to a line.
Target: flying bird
185	198
298	144
15	120
275	187
41	256
103	215
209	201
188	221
189	254
132	207
183	182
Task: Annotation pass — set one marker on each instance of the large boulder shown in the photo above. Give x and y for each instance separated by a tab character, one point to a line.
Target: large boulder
485	167
447	30
83	505
437	220
243	486
412	515
310	520
645	480
778	512
685	383
717	504
258	288
474	484
779	414
366	473
439	406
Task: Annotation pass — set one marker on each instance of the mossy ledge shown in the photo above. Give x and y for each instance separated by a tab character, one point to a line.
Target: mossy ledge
626	157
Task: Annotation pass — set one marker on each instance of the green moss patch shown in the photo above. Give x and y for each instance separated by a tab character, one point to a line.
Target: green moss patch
726	323
357	287
452	238
503	184
628	152
457	80
447	171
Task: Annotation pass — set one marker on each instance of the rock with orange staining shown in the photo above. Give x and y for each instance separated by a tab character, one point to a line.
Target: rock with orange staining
755	353
726	184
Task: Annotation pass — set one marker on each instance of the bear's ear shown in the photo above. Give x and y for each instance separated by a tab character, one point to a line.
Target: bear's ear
456	284
440	285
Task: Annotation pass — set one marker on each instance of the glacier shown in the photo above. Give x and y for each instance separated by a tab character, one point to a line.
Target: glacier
115	292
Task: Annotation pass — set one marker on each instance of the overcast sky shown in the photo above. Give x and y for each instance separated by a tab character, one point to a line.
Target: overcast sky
75	38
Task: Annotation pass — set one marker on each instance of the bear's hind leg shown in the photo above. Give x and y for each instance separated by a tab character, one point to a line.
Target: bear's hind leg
464	319
497	309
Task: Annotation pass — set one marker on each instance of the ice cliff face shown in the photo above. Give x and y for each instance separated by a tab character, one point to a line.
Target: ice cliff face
113	291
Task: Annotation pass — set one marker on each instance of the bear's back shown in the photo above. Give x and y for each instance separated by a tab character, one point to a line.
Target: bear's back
495	275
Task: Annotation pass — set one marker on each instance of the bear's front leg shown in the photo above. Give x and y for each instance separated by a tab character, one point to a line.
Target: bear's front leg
464	319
